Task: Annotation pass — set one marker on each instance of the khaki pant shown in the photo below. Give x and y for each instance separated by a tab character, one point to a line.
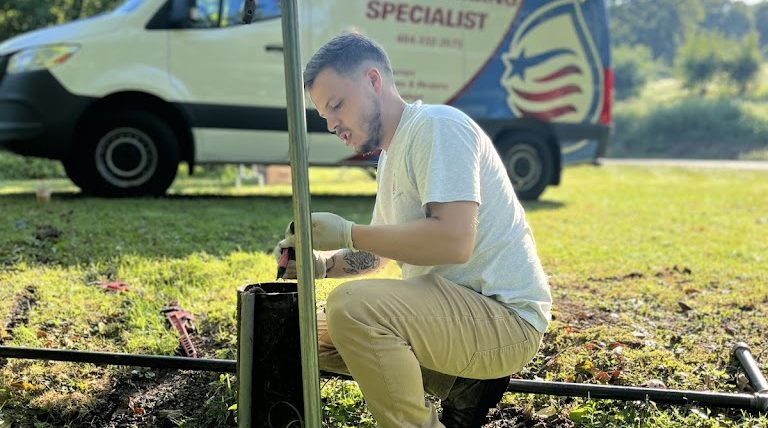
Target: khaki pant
398	338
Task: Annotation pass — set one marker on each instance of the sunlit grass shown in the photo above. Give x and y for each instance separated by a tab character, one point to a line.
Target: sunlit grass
623	246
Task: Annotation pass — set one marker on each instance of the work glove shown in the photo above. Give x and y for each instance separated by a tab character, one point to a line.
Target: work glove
331	232
285	256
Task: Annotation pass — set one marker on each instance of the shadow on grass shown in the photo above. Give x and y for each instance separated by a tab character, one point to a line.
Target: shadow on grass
545	205
75	229
69	196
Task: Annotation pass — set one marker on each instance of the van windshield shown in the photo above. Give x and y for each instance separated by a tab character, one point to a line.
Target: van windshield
128	6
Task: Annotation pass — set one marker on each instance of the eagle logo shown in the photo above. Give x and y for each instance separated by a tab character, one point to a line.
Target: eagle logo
552	70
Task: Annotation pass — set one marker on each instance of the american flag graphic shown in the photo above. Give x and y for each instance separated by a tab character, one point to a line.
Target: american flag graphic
549	81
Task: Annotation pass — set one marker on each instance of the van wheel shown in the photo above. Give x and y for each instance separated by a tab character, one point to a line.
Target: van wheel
127	153
528	161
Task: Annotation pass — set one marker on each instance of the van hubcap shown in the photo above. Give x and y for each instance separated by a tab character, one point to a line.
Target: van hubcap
524	166
126	157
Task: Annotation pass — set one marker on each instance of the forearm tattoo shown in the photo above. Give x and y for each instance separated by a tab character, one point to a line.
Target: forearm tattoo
360	261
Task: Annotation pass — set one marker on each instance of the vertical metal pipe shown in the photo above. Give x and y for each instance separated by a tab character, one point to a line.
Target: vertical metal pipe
245	316
742	353
297	133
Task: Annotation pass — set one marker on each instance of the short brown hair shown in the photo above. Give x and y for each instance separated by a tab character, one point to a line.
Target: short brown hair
344	54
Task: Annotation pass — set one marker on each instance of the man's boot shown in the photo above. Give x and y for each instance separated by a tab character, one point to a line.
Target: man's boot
468	401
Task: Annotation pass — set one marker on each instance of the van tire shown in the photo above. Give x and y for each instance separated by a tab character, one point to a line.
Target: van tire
529	162
123	154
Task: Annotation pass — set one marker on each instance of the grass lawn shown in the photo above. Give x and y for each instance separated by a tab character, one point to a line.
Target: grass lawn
656	272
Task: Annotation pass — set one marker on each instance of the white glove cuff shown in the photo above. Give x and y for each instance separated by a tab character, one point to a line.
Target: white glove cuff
320	266
348	235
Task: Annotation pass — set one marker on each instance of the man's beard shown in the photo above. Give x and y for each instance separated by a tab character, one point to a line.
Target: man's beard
373	123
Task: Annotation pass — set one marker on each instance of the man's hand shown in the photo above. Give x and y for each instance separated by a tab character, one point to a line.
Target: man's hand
331	232
290	269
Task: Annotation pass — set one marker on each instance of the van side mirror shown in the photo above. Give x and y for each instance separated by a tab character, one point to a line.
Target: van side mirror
249	10
179	14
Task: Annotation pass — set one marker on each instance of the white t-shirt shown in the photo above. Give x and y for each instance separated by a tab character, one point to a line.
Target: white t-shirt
439	154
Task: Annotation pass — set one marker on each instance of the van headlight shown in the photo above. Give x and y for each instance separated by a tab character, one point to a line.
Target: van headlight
40	58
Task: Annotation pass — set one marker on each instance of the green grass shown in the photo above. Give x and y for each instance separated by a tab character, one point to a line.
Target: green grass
626	248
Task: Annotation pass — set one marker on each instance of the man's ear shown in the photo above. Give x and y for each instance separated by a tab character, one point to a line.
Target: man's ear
374	78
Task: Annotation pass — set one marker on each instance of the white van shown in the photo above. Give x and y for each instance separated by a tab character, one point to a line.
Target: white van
122	98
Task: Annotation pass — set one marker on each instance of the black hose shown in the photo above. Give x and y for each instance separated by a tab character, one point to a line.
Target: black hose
742	353
630	393
118	359
755	402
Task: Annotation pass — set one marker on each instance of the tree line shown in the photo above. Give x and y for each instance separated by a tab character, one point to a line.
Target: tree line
702	41
19	16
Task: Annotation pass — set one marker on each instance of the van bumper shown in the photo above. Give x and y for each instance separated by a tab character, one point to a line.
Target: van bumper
38	115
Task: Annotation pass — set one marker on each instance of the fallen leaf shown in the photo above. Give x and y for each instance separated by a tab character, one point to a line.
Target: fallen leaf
571	329
546	412
603	376
699	413
114	286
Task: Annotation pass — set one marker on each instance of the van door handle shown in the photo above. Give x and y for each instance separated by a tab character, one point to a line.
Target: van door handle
274	48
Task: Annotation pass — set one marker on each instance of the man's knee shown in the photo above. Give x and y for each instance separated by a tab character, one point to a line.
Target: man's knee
347	305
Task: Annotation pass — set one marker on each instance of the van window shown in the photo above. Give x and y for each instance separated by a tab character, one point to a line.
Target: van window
229	13
233	11
205	14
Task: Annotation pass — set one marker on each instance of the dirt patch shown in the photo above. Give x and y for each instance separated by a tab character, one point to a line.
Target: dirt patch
160	398
617	278
19	315
40	247
665	272
157	398
512	416
577	315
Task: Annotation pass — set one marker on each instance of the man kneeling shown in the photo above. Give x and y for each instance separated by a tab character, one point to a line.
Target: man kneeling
473	302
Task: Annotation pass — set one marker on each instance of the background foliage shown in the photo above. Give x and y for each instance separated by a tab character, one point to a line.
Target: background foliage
18	16
663	51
